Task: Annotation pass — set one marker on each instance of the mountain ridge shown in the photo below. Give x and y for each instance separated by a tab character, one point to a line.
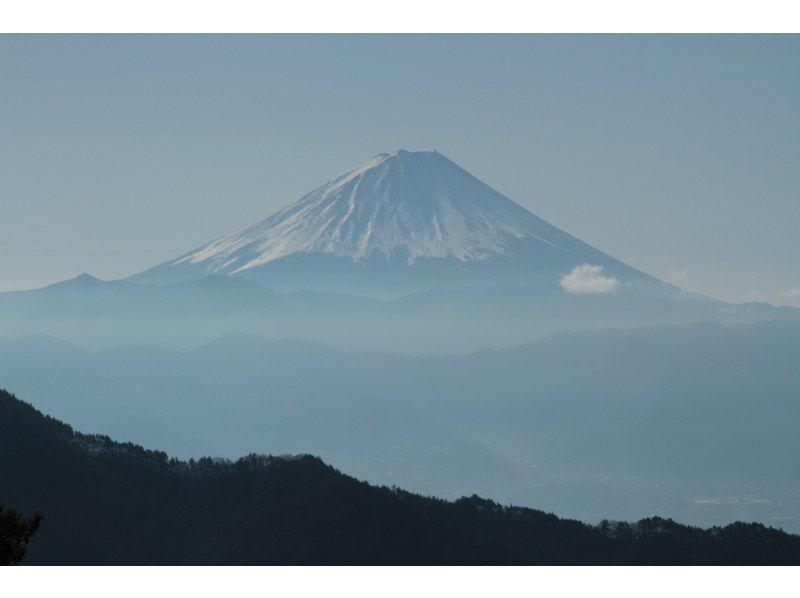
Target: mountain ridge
603	407
106	502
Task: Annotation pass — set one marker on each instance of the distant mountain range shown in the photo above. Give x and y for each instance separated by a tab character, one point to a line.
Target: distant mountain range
110	503
698	422
102	314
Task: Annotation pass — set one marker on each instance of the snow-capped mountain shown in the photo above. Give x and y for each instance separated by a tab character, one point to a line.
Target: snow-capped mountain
440	261
402	221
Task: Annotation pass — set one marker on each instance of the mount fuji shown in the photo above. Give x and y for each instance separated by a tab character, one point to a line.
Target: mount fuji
422	257
402	222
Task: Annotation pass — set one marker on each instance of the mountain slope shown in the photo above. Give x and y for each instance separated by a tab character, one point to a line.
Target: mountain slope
400	222
696	422
111	503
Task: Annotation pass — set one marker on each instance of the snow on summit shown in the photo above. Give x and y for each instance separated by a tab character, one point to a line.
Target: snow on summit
403	204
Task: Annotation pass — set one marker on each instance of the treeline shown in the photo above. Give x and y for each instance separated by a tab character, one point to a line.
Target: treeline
113	503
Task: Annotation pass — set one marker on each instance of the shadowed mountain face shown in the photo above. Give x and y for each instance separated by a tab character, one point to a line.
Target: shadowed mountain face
399	223
110	503
695	422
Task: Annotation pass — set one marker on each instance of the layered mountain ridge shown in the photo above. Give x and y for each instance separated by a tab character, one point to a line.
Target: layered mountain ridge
111	503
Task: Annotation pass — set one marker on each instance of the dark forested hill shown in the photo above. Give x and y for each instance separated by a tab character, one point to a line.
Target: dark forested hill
106	502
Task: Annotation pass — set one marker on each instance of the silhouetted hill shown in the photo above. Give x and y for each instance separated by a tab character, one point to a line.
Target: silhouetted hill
106	502
697	422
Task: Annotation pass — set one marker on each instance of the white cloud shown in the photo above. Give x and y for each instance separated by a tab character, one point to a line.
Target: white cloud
588	278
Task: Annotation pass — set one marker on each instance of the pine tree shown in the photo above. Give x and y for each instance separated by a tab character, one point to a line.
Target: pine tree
15	533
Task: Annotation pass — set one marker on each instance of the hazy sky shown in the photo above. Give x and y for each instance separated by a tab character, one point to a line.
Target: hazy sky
679	155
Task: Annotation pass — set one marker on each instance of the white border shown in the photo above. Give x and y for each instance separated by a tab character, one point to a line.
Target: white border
396	582
396	16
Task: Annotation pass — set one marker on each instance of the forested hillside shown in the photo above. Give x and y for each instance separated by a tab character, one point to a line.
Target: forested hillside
106	502
700	422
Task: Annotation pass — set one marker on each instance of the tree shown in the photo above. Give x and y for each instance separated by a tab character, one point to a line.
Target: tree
15	533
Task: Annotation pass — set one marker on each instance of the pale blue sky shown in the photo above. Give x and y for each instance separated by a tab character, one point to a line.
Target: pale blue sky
678	155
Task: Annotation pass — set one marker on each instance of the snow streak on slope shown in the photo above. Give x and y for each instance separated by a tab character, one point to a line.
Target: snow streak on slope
402	205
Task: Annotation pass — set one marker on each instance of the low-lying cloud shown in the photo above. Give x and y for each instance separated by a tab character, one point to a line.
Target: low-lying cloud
587	279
